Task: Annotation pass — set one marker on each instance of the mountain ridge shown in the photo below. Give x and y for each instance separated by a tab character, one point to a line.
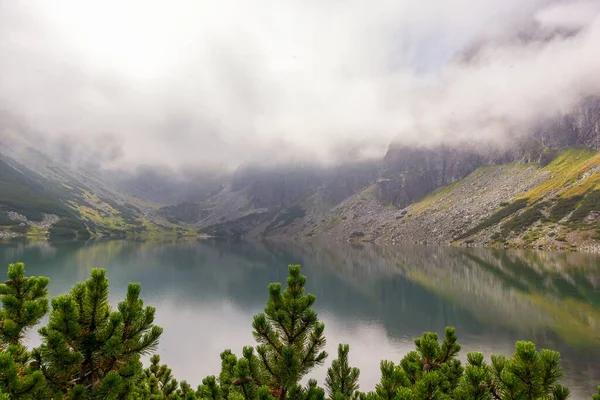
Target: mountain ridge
474	193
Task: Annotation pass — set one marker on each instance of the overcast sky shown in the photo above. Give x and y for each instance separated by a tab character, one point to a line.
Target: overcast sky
194	82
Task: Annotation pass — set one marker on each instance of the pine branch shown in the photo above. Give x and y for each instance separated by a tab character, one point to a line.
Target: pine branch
304	328
263	358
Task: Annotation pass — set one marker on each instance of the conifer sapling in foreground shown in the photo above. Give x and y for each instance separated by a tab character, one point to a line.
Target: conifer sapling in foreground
289	334
24	302
342	380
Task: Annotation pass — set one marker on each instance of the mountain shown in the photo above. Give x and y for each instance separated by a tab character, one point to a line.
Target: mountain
541	191
41	194
258	200
540	188
161	185
504	205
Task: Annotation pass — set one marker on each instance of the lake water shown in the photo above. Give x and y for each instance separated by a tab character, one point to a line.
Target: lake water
377	299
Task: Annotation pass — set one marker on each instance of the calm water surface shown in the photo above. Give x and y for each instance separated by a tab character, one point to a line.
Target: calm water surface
377	299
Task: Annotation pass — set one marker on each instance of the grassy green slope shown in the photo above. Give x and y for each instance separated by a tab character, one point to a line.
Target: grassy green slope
82	213
29	194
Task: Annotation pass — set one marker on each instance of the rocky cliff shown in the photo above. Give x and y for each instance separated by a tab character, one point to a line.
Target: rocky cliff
410	173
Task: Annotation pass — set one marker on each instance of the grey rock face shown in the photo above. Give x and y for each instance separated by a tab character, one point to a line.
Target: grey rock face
408	173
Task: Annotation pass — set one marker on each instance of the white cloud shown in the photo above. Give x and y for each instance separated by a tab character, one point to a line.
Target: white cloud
194	82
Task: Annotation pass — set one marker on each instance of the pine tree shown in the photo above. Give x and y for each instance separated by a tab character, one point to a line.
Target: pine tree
528	374
158	382
24	303
310	392
290	334
226	377
240	379
185	392
433	368
342	380
17	379
394	381
91	350
475	384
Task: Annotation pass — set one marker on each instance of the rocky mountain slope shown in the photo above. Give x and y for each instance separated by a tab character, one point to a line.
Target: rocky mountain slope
516	205
540	190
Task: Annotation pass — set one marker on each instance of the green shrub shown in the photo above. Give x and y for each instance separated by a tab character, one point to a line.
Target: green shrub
591	202
30	194
563	207
286	217
29	203
496	217
6	221
19	228
127	212
69	228
522	221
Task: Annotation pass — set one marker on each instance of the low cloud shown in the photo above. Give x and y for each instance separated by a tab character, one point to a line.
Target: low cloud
222	83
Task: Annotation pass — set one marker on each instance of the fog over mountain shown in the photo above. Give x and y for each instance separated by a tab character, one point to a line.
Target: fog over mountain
215	84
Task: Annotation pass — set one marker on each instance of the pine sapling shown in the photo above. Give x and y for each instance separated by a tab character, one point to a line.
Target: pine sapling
24	303
289	334
342	380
